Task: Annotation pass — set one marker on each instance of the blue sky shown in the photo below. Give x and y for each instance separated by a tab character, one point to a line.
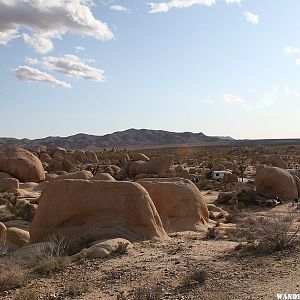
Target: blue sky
218	67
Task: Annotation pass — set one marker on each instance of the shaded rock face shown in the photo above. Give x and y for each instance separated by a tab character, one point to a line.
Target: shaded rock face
94	210
297	181
9	185
156	165
22	164
272	181
178	202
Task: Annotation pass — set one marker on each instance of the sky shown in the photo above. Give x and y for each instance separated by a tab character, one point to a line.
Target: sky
221	67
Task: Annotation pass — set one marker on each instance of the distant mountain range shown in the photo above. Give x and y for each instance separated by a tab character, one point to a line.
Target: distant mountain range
139	138
131	138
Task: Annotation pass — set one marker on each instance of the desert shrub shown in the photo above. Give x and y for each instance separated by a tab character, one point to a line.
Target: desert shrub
53	256
77	288
153	292
121	249
269	233
196	275
26	294
47	266
11	277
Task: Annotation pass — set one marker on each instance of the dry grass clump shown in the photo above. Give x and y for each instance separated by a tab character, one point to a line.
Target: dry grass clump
52	265
26	294
152	292
53	256
268	234
195	276
77	288
11	277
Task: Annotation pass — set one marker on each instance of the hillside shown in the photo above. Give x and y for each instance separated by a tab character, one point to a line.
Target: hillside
131	138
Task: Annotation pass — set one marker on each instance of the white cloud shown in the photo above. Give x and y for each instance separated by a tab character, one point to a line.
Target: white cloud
41	43
79	49
252	18
297	61
231	99
273	94
31	61
46	20
166	6
278	92
233	1
72	66
119	8
8	35
290	50
30	74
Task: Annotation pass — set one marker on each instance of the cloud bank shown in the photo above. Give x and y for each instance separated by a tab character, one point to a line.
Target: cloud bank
26	73
166	6
45	20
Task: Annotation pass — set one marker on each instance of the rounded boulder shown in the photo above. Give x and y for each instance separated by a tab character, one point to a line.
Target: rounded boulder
94	210
179	203
22	164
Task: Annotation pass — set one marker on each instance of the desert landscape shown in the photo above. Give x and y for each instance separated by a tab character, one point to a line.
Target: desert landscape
151	224
149	150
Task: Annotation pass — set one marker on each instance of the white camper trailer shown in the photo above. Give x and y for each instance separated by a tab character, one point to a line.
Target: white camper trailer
218	175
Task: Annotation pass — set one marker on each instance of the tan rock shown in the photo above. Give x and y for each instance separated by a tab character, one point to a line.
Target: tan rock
2	232
271	182
275	160
50	176
179	203
93	210
156	165
9	185
22	164
214	208
116	169
81	156
84	174
45	158
91	157
66	165
16	237
95	252
112	244
103	176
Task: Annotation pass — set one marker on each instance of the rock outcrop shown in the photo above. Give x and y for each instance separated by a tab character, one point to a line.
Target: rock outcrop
156	165
94	210
178	202
22	164
272	181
